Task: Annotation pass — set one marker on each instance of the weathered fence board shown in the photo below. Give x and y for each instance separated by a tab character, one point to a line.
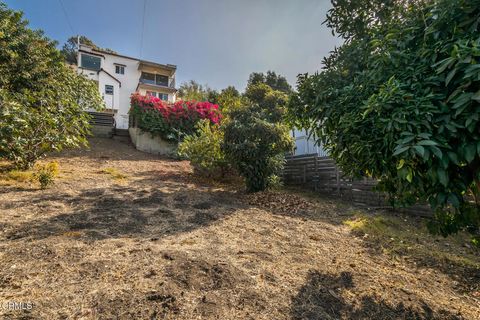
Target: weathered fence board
322	175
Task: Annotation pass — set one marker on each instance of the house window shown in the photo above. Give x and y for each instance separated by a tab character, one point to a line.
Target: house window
155	79
161	80
108	89
151	93
119	69
90	62
148	78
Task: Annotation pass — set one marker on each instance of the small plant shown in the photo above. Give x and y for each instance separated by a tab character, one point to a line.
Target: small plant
45	174
275	182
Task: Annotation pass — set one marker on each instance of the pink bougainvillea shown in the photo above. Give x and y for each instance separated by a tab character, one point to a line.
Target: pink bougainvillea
171	120
191	110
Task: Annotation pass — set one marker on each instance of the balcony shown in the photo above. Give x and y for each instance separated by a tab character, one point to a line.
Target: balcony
156	75
158	81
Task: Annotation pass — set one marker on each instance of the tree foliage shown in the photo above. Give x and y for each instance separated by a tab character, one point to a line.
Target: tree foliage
256	138
271	79
229	100
42	101
270	104
400	101
194	91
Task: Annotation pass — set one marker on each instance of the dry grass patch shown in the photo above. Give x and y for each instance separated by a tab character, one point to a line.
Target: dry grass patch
408	237
19	176
42	173
162	245
114	173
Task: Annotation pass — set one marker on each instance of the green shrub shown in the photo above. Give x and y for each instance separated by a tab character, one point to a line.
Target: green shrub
256	148
204	151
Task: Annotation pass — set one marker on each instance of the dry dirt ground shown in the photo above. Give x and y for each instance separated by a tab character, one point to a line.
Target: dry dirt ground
126	235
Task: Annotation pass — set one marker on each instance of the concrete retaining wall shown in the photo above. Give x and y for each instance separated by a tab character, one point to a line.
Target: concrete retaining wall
145	142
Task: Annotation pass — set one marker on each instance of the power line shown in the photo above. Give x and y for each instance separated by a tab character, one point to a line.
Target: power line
143	27
66	16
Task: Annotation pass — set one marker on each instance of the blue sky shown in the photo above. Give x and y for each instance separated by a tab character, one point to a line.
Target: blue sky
215	42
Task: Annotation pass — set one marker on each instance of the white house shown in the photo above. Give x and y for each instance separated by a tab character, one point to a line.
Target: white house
306	143
119	76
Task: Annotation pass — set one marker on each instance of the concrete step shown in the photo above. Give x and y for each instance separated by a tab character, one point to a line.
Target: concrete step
122	132
125	139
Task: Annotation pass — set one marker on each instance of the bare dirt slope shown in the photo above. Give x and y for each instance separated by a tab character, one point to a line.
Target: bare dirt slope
125	235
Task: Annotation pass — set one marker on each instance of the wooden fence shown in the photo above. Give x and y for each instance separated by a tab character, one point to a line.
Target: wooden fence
321	175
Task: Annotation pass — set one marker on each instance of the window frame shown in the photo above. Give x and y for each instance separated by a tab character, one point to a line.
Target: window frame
82	55
158	79
109	86
145	80
119	69
161	76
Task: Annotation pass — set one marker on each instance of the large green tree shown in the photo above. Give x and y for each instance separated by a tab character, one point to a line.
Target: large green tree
400	101
42	100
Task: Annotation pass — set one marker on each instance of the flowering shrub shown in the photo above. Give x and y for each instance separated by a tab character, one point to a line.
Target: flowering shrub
171	121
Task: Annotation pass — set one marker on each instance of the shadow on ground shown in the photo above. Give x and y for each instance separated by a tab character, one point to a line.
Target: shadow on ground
399	235
321	297
124	211
101	149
